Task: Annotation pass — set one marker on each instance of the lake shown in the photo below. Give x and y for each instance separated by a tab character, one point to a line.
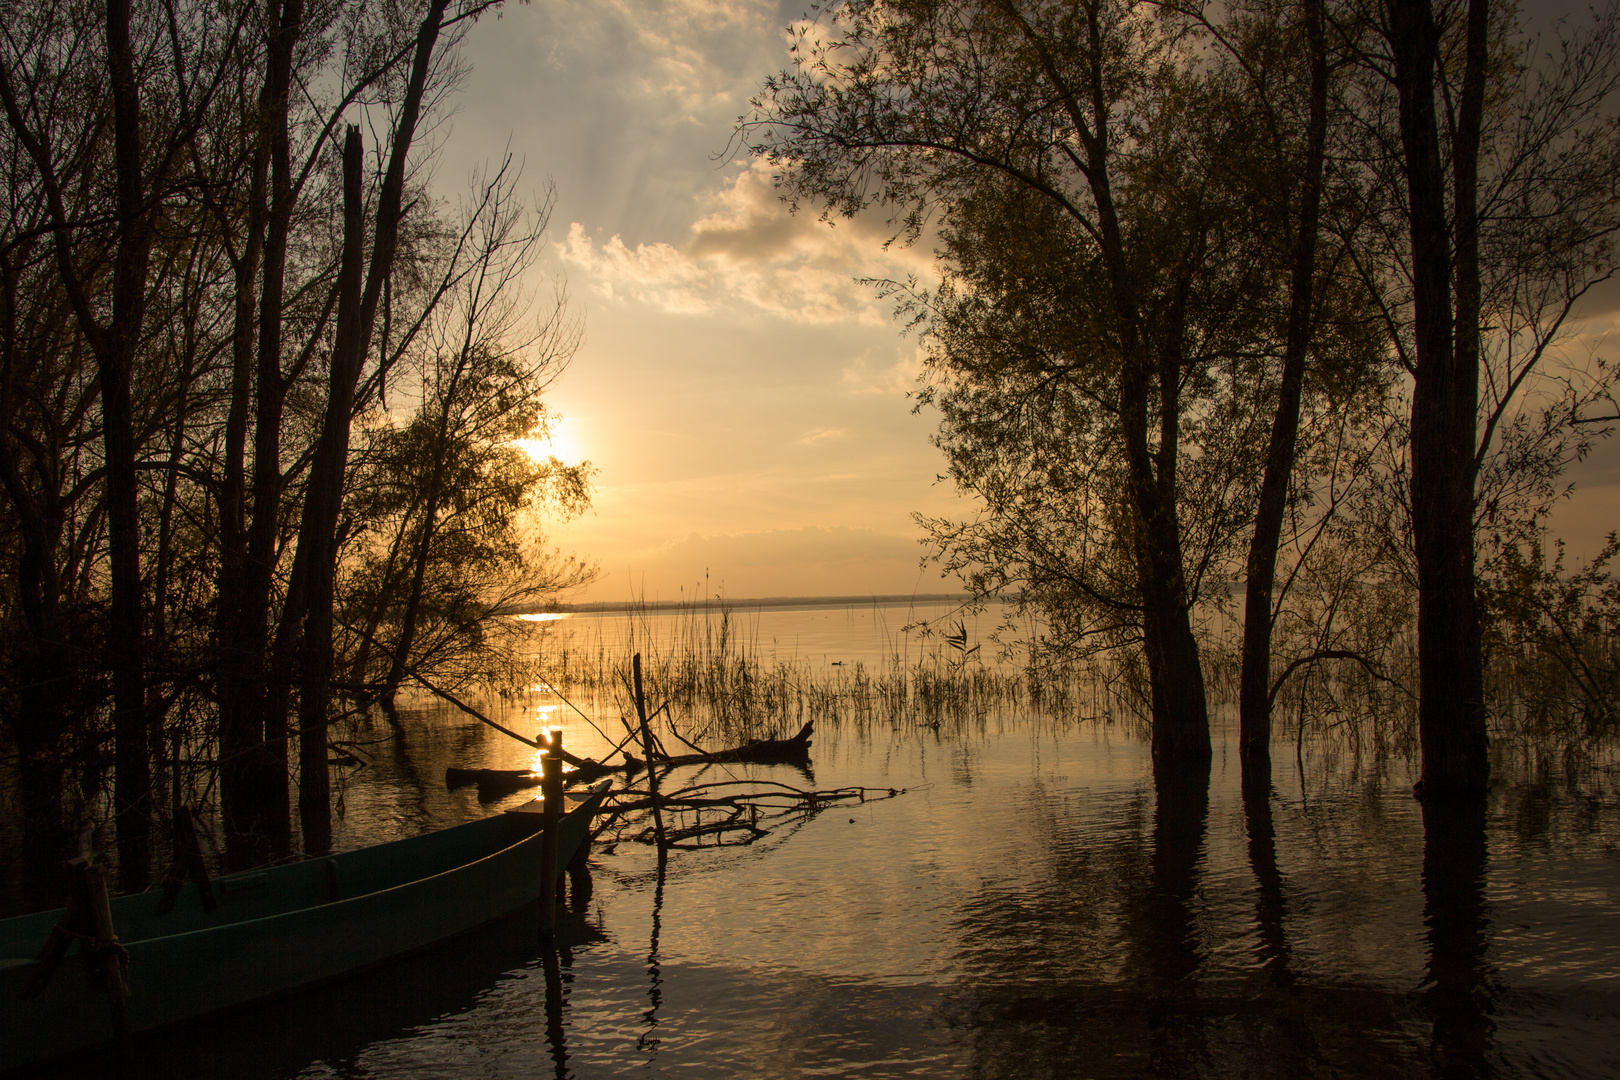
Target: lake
1035	902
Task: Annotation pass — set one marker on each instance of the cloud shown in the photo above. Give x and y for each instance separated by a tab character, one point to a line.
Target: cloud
655	273
690	54
749	254
821	435
900	376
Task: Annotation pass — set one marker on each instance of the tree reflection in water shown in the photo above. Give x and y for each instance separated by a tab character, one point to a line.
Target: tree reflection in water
1165	948
1095	968
1270	908
1460	988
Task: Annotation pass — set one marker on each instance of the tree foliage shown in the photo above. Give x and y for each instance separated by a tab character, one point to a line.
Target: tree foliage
218	259
1184	273
1116	218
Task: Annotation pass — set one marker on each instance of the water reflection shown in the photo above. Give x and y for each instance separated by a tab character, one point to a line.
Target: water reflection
1094	966
1270	909
1459	995
554	958
1166	946
1070	911
648	1042
1165	942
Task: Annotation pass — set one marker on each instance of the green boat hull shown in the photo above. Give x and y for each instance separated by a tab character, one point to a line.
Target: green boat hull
276	930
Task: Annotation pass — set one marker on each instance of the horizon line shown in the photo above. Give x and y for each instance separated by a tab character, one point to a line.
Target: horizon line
602	606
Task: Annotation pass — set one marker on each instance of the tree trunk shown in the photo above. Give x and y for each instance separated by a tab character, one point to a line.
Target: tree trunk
132	785
1254	681
246	774
419	564
1451	710
315	563
321	504
421	555
1175	676
35	661
253	730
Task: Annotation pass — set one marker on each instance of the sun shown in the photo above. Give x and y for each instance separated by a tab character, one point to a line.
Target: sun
562	442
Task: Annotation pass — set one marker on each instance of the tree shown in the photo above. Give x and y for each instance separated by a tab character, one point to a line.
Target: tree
1131	290
105	280
190	324
314	563
437	547
1510	213
922	105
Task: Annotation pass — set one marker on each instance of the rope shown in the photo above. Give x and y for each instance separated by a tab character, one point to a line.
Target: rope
93	946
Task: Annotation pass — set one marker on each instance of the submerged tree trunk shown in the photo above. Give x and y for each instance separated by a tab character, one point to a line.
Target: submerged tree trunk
1451	696
315	565
246	774
1254	685
38	660
321	504
253	733
132	785
1175	676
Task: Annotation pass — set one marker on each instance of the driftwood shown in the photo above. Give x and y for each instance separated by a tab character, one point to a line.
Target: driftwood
498	783
729	813
794	751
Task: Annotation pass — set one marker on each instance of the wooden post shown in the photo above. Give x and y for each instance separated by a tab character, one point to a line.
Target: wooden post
76	923
108	954
551	793
652	761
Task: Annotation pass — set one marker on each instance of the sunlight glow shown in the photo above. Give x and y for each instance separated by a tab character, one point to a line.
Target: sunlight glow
562	441
545	616
535	769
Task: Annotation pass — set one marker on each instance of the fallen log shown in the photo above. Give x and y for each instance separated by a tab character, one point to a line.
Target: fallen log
794	751
510	779
497	783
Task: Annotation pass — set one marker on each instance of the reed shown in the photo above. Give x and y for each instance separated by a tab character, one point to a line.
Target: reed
707	669
716	681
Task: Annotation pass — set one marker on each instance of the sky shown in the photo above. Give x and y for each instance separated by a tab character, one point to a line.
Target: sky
743	398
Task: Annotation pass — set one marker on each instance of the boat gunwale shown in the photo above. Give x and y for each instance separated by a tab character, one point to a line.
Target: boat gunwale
266	926
597	792
536	834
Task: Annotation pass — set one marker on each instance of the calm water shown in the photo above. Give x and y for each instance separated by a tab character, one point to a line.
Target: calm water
1037	903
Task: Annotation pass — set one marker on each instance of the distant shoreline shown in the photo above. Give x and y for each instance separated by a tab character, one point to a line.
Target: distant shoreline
602	607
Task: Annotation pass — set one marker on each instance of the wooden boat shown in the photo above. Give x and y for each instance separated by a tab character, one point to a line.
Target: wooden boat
276	930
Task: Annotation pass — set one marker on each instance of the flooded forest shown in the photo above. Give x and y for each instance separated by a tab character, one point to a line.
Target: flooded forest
1273	730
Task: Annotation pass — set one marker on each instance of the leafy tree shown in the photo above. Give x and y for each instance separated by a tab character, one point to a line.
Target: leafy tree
440	543
205	285
1127	308
926	106
1505	164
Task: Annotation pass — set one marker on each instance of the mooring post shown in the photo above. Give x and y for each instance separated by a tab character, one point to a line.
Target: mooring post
106	953
652	768
551	794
